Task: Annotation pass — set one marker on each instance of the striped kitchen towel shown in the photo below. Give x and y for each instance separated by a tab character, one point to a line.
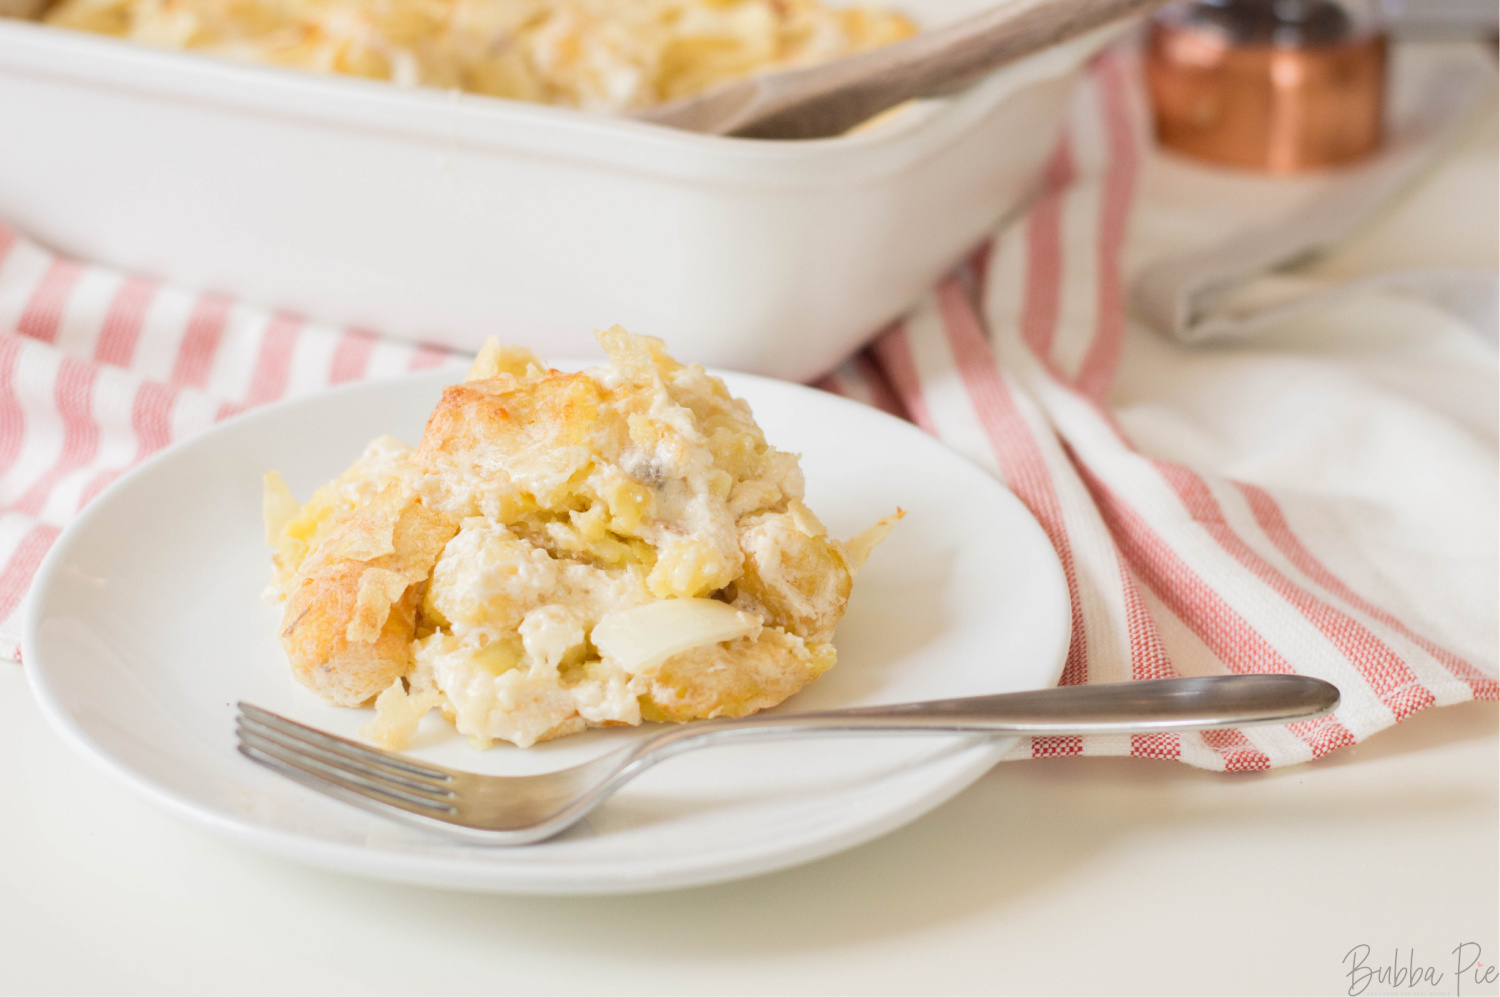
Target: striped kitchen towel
99	370
1263	508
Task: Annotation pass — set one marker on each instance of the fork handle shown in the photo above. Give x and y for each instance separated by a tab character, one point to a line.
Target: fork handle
1112	708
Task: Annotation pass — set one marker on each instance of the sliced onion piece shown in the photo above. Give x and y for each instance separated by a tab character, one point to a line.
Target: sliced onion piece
639	639
278	507
858	547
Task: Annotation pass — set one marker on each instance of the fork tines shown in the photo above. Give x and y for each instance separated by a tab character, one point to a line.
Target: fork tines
343	768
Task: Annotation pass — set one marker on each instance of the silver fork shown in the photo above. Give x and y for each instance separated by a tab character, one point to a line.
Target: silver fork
518	810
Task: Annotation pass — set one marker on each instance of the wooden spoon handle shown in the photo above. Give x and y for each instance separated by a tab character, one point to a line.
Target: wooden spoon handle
24	10
831	98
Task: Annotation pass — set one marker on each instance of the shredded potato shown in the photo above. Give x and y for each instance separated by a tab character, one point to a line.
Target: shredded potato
609	55
563	551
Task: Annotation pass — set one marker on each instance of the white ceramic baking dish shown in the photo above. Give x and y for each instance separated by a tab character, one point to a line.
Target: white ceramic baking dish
446	218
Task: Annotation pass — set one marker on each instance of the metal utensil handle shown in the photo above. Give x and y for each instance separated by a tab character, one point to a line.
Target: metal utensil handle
1110	708
831	98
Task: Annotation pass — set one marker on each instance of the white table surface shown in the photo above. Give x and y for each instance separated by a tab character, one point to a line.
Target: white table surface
1055	876
1066	875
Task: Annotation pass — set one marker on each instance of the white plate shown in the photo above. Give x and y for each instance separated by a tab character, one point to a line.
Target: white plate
146	625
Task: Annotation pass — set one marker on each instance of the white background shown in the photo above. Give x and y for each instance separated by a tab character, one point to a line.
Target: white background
1066	875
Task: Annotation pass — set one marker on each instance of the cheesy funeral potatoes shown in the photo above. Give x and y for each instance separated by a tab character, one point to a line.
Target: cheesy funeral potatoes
563	551
609	55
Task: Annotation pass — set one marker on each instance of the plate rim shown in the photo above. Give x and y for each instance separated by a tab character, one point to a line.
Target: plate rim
970	763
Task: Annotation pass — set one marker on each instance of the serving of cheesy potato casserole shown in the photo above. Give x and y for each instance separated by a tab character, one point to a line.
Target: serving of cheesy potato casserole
563	551
608	55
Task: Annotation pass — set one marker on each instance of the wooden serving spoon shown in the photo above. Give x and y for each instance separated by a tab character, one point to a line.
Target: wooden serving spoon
23	10
829	99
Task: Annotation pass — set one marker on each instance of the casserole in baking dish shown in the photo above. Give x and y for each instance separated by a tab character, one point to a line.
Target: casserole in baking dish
447	217
608	55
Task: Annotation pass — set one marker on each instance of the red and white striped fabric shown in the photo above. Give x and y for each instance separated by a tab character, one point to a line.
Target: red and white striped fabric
99	370
1172	569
